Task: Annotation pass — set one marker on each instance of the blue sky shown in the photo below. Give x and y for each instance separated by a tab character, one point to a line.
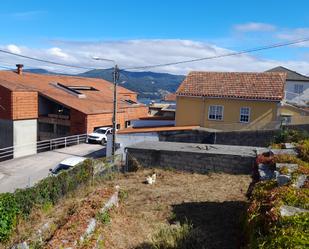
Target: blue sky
51	29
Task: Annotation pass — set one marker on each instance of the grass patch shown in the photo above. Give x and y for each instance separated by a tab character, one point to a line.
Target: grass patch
177	236
123	194
104	218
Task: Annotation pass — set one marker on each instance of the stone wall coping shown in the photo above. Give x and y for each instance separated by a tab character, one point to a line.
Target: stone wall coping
247	151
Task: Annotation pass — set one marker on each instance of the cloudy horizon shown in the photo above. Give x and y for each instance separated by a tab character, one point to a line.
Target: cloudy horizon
143	52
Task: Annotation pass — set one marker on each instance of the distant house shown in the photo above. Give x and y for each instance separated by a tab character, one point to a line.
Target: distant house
228	100
294	107
37	107
296	84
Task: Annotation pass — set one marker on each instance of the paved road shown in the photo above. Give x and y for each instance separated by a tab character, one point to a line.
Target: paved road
18	173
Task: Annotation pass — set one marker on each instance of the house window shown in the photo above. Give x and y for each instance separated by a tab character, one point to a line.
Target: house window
298	88
127	123
118	126
244	114
286	119
215	112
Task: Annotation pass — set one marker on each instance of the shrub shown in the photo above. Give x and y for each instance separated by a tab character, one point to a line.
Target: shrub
8	215
294	197
46	192
289	232
303	150
285	158
286	135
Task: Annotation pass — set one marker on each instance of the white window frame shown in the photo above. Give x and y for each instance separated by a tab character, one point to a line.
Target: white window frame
241	114
222	114
298	88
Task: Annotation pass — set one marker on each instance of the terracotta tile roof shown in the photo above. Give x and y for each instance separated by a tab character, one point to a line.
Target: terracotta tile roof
95	102
156	129
257	86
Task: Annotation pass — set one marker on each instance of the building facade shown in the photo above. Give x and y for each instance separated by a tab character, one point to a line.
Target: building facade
230	101
296	84
48	106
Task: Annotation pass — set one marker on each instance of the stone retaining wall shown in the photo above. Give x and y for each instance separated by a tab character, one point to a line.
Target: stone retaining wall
190	161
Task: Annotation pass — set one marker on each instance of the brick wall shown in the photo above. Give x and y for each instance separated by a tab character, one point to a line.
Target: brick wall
78	122
82	123
5	103
18	105
24	105
193	162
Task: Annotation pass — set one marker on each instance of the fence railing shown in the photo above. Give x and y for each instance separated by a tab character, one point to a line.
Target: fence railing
42	146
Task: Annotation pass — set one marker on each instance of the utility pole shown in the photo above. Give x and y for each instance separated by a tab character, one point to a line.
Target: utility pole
115	79
114	119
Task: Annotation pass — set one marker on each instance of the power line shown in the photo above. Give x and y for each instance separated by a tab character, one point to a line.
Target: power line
5	67
167	64
223	55
45	61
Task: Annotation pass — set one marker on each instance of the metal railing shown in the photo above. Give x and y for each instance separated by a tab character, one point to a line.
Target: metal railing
42	146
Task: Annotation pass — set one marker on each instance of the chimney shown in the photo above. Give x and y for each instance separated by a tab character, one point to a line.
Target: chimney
20	68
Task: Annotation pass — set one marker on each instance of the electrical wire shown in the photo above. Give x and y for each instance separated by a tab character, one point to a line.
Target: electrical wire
5	67
171	63
45	61
222	55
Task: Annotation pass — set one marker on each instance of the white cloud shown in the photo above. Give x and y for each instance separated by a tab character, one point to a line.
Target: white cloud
131	53
254	27
295	34
57	52
14	49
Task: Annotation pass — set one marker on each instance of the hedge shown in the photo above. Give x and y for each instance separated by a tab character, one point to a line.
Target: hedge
48	190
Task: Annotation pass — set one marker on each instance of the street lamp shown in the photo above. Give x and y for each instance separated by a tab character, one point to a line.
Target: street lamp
115	80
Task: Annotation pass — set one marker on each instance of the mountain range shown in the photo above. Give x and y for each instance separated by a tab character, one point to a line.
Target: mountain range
149	85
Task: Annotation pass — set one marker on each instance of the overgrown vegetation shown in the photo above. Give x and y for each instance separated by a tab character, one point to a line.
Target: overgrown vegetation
286	135
303	150
265	226
47	192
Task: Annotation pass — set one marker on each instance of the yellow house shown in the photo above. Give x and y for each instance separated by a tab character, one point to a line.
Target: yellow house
230	101
292	114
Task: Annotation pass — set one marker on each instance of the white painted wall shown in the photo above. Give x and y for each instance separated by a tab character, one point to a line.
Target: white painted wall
133	138
290	86
24	137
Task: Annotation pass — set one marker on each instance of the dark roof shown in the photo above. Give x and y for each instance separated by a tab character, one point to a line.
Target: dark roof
256	86
291	75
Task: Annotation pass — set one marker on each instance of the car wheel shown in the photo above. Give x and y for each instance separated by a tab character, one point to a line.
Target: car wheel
103	141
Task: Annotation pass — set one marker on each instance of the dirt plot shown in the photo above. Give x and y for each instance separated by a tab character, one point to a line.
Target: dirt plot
213	203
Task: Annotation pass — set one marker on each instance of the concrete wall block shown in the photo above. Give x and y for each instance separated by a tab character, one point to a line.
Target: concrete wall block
24	137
